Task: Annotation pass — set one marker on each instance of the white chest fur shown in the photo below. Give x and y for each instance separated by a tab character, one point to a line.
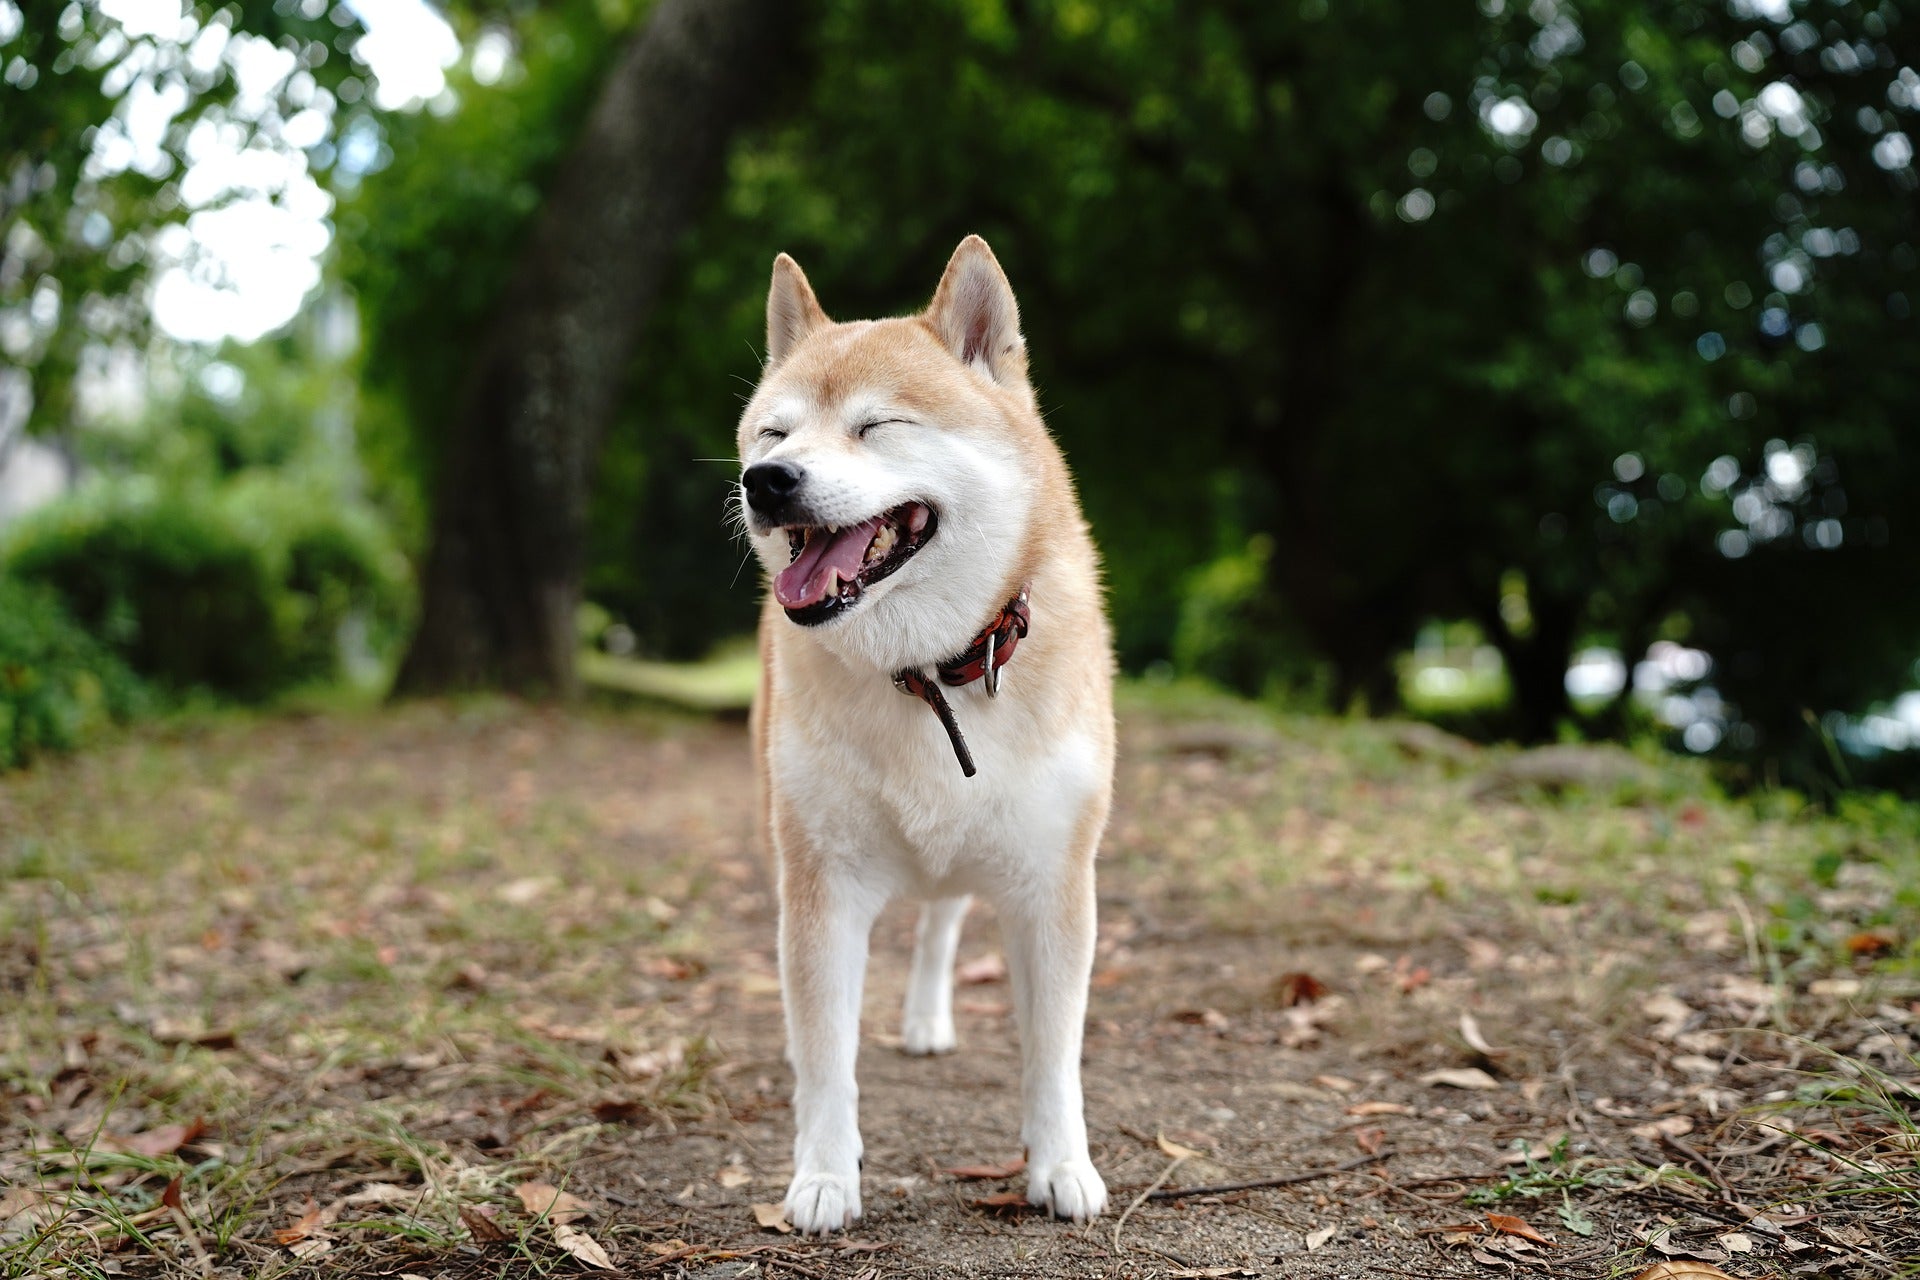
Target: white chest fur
872	777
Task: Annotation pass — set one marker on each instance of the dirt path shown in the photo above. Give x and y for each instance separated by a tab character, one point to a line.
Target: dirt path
455	952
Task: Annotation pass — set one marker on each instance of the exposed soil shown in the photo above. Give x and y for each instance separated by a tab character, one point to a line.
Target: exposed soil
1281	972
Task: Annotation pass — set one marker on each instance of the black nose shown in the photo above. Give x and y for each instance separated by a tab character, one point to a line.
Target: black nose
768	484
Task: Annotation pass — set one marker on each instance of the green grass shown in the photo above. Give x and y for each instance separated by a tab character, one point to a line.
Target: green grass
723	683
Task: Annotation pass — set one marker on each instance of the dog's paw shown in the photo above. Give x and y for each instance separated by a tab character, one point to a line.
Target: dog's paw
819	1203
922	1034
1071	1189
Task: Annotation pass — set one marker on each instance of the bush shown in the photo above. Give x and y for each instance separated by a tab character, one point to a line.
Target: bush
58	685
239	588
1232	631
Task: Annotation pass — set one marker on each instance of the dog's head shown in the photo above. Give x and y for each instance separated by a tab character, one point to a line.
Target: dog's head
888	467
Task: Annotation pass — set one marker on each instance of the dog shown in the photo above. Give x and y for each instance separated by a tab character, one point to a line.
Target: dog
922	537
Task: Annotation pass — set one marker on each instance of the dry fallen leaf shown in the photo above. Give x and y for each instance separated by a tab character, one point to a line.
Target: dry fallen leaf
733	1176
1290	989
1672	1013
1873	942
1369	1140
1533	1150
582	1246
382	1193
22	1202
1379	1109
558	1206
1174	1150
672	968
302	1227
991	967
1667	1126
310	1248
1409	977
1317	1238
481	1225
772	1217
1681	1271
1460	1078
1735	1242
862	1246
1470	1032
1508	1225
1006	1202
164	1141
987	1172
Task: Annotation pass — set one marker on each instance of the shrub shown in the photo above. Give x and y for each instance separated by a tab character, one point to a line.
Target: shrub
1232	631
239	588
58	685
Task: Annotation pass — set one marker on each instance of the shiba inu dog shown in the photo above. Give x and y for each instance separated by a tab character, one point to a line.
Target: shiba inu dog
922	536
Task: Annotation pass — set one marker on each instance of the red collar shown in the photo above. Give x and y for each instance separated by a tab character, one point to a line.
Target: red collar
991	650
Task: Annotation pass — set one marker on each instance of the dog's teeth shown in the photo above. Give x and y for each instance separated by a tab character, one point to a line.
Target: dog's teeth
882	543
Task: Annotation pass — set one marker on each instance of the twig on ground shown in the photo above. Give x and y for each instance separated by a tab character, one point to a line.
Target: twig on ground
1703	1164
1143	1197
1431	1202
192	1238
1169	1256
1287	1180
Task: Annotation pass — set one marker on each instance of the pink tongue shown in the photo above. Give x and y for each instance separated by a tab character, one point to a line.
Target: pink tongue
804	582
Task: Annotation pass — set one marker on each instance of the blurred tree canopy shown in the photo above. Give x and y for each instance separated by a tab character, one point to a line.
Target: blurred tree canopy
1590	322
1586	322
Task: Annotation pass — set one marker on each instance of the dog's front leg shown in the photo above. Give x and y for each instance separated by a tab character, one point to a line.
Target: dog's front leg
825	920
1048	927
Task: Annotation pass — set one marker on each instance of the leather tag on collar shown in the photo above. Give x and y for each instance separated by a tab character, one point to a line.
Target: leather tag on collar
981	660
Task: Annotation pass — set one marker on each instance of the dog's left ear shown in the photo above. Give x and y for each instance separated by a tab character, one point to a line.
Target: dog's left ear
974	314
792	310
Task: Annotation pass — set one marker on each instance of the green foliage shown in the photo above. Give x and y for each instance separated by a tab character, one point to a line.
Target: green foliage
1436	299
241	588
429	244
84	209
1233	631
1560	1172
58	685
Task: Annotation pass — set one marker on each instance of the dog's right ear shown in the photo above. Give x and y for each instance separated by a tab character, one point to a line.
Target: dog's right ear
792	310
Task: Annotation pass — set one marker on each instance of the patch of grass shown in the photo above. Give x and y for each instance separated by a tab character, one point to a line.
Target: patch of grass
1560	1173
356	946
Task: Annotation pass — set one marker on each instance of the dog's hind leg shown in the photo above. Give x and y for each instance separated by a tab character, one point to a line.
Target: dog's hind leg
927	1023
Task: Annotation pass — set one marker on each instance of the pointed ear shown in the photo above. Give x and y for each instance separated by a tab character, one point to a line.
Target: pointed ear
974	314
792	310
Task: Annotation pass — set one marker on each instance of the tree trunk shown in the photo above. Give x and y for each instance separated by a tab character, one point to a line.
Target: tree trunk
505	561
1537	667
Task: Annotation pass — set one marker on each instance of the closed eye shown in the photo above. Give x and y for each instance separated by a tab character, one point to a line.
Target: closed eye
882	422
772	433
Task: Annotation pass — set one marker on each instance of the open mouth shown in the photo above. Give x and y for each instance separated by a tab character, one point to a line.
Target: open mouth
831	567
